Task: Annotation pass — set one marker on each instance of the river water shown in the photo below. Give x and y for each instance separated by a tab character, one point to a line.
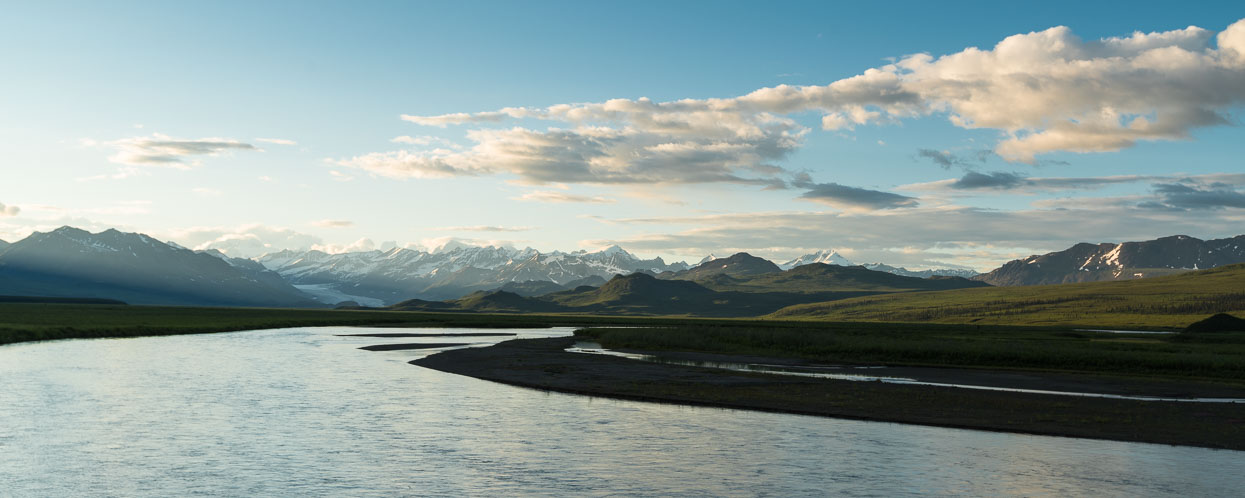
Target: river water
303	412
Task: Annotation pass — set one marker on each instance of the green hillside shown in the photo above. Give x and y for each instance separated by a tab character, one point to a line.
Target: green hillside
820	277
1162	302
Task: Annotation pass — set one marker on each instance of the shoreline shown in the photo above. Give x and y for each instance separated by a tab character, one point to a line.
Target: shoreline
543	365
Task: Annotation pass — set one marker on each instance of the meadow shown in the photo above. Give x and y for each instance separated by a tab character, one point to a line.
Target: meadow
1160	303
1216	357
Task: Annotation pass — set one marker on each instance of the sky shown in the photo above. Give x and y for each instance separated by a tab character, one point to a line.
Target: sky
919	134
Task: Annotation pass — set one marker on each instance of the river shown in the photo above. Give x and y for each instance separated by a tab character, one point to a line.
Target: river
304	412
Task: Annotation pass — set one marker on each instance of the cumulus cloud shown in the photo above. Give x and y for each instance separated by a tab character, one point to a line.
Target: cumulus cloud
558	197
855	198
1047	91
245	241
9	210
701	147
484	228
333	223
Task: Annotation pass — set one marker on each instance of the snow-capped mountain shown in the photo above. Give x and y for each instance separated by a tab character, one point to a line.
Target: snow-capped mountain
829	257
934	272
135	268
446	273
1086	262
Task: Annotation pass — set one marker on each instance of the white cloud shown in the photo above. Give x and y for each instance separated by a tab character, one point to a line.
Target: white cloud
617	142
245	241
557	197
9	210
277	141
162	150
1047	91
361	245
422	140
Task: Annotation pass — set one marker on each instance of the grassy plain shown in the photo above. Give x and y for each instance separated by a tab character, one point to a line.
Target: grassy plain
1171	302
1219	357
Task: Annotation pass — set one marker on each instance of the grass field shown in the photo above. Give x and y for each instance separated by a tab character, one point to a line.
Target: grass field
1218	357
1171	302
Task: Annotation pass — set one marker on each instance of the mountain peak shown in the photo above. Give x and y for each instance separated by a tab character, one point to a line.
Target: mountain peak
827	256
738	264
68	230
613	249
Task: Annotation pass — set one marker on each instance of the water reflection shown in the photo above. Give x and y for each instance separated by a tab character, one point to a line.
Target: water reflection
301	412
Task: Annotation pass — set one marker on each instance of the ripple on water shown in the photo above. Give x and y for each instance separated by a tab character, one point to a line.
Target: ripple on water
302	412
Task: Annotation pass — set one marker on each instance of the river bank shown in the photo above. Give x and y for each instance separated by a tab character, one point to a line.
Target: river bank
544	364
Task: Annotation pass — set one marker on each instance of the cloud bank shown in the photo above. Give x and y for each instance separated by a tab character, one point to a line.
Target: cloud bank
1046	91
162	150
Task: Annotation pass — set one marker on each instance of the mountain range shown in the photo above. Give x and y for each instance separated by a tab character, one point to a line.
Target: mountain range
398	274
738	286
1125	261
135	268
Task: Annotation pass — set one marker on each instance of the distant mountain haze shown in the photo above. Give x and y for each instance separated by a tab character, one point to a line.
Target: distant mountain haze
400	274
137	269
739	286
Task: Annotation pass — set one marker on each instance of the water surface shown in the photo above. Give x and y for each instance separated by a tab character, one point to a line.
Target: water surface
302	412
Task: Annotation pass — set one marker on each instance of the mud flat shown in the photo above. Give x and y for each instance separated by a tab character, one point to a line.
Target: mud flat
544	364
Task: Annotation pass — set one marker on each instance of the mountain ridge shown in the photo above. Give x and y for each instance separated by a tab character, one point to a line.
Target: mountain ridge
1086	262
135	268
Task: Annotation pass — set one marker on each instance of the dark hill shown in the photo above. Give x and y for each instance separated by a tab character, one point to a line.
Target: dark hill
635	289
1220	322
482	301
738	265
532	288
821	277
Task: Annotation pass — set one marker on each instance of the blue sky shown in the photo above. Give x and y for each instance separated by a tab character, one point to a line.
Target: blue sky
260	127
